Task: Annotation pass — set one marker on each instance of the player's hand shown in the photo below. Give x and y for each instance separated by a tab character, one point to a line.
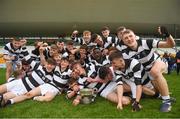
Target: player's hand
119	106
75	32
90	80
76	88
76	102
136	106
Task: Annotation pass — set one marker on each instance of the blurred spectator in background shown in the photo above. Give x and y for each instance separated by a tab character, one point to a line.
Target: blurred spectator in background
178	61
170	60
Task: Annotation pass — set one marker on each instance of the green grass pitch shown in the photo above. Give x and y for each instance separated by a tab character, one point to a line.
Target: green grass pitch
60	107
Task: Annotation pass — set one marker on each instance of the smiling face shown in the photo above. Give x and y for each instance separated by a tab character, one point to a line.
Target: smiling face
87	36
105	33
64	63
53	50
82	51
60	45
16	43
77	69
118	63
97	54
49	67
129	39
57	57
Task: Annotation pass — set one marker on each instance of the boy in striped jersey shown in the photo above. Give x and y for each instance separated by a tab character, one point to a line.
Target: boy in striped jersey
143	51
13	52
12	91
97	58
81	75
47	91
89	79
84	40
109	39
130	70
111	89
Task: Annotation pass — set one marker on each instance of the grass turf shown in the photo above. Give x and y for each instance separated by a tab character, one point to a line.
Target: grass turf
60	107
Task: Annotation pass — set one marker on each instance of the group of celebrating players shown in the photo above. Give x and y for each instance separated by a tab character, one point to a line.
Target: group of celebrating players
121	68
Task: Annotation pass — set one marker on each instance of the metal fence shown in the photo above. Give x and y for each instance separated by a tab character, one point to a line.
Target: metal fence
32	40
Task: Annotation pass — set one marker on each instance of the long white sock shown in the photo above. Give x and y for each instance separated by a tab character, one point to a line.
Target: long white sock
165	98
12	101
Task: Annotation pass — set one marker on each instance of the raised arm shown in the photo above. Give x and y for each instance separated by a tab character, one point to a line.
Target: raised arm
42	57
169	42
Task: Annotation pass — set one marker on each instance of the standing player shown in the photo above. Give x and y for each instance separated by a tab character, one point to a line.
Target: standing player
130	70
178	61
143	51
13	52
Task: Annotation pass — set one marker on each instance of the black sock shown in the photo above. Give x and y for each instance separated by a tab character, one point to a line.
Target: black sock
8	103
156	95
1	100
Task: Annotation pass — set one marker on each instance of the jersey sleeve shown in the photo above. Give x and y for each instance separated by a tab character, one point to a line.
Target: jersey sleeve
137	69
6	49
118	79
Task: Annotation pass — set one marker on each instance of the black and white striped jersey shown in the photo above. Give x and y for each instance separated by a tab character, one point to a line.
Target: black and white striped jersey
90	72
120	45
18	53
60	78
11	79
38	76
110	41
47	53
64	52
102	62
133	71
35	55
99	87
144	53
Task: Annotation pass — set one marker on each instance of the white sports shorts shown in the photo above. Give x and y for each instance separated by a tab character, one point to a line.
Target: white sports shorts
48	88
16	87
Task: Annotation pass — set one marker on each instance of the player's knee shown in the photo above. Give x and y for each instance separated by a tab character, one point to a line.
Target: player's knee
48	99
126	101
5	97
155	72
